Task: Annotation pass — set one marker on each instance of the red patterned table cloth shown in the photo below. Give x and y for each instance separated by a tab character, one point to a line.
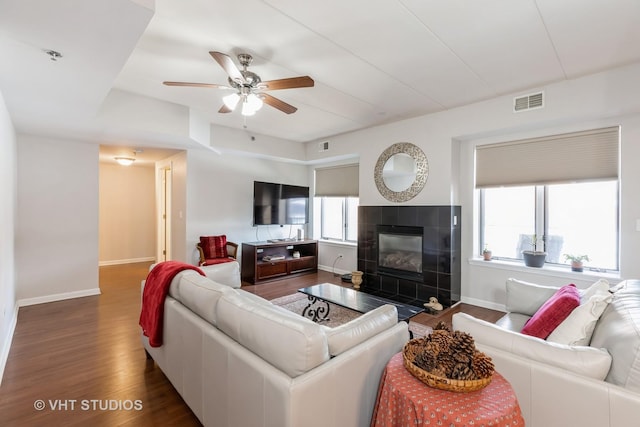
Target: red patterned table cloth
403	400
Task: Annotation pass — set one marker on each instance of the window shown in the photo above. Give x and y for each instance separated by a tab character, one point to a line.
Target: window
563	188
336	203
577	219
338	218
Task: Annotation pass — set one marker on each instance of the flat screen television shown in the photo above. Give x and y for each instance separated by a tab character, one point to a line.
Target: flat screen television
280	204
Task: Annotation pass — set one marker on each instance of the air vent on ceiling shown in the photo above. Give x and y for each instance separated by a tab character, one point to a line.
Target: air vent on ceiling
323	146
528	102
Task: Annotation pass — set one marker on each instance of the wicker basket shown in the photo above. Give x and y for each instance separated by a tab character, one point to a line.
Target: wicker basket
409	352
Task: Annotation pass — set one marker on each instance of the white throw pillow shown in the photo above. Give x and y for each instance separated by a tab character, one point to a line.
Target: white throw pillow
601	286
578	327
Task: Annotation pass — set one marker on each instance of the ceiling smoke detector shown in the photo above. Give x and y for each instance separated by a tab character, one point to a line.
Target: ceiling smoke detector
53	55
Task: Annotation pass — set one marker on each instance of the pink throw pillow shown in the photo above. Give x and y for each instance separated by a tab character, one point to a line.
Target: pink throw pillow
553	312
214	246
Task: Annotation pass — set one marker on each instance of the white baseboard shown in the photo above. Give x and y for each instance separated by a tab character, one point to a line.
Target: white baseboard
6	345
485	304
58	297
126	261
337	271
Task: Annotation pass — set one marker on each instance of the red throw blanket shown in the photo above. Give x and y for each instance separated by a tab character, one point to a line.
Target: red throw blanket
156	288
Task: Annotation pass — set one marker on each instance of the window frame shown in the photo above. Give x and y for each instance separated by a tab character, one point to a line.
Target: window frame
541	224
345	219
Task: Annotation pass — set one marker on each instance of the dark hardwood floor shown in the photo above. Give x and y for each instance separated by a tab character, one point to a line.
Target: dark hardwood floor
84	361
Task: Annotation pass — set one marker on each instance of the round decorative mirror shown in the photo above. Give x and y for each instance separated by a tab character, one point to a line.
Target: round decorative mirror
401	172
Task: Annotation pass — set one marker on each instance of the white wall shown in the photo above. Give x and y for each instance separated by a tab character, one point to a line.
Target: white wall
447	138
220	196
57	219
231	141
127	230
368	144
8	195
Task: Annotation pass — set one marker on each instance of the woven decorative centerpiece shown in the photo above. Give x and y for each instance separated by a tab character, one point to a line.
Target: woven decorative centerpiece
448	360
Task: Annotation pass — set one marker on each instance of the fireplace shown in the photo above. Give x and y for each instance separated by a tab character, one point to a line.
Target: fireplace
400	251
387	234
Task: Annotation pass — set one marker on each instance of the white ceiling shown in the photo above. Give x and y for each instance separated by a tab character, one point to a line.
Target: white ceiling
372	61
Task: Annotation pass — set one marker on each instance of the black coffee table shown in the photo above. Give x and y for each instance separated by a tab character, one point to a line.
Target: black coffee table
359	301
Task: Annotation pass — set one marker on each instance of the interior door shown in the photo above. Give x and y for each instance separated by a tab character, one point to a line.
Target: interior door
164	215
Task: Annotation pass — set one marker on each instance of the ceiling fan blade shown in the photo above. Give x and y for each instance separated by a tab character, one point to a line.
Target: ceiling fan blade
292	82
279	104
209	85
224	109
227	64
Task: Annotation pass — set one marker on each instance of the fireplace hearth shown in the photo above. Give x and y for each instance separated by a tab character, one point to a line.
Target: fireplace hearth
410	253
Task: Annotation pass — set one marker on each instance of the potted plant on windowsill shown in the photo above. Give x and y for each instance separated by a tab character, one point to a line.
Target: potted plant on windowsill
577	261
533	257
486	253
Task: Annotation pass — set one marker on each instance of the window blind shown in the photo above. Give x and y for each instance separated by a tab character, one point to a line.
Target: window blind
337	181
571	157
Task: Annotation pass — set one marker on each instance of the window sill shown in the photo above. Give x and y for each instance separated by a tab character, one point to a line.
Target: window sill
547	270
337	243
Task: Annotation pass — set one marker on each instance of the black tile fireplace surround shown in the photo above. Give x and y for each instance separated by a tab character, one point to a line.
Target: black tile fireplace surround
440	267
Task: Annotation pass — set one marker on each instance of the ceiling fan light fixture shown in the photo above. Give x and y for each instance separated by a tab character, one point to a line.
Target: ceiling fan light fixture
251	104
254	101
231	100
246	110
249	86
125	161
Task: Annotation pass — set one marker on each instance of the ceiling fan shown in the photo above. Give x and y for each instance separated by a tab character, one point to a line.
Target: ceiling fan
249	87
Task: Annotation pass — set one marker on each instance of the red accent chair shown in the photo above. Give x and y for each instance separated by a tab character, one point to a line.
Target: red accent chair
216	250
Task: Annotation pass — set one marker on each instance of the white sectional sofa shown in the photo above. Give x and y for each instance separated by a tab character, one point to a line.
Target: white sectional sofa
594	385
226	273
238	360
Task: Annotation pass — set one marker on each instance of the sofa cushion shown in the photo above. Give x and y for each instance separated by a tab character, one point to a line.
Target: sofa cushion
174	287
578	327
553	312
200	294
227	273
214	246
588	361
360	329
256	299
619	331
513	321
526	298
216	261
292	344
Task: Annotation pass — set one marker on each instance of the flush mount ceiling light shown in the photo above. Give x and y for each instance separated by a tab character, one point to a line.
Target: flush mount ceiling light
128	161
125	161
